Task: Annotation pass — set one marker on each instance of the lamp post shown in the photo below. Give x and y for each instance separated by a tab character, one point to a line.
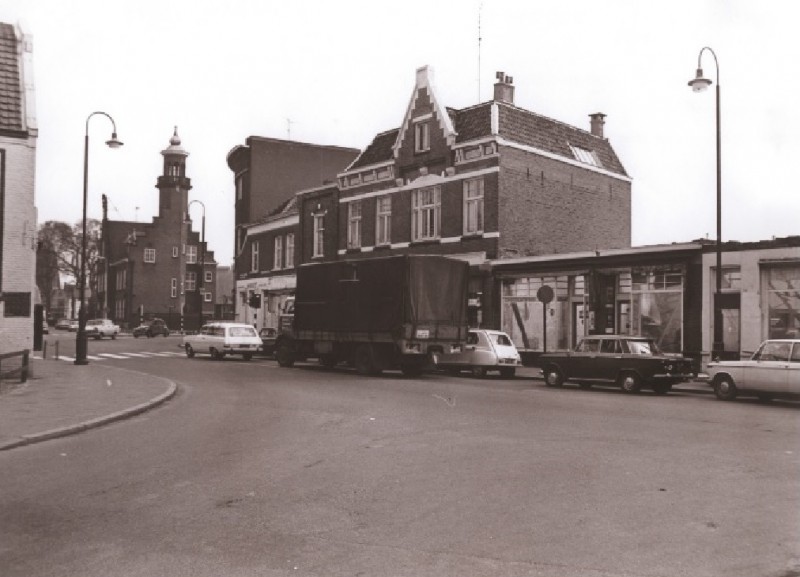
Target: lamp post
80	337
699	84
202	263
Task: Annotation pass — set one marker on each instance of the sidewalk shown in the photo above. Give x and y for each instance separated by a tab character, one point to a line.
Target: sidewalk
61	399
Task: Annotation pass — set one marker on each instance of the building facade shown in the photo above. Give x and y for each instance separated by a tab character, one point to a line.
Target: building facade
162	268
18	218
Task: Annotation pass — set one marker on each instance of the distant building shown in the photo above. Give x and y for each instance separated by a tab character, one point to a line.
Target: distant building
18	226
161	268
224	306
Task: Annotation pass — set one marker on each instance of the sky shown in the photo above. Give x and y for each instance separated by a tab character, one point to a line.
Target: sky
337	73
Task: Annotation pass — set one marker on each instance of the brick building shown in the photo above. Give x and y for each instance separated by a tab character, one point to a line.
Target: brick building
18	135
161	268
267	175
490	181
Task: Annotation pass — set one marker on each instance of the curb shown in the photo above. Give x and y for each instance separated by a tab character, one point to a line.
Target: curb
93	423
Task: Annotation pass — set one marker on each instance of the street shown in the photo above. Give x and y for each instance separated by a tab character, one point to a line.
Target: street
257	470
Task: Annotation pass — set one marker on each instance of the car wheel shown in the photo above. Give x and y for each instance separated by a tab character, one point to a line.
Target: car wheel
135	335
661	388
189	351
284	355
114	337
725	389
630	383
247	356
765	397
553	377
165	333
216	355
149	334
508	372
455	371
585	386
411	370
328	361
478	372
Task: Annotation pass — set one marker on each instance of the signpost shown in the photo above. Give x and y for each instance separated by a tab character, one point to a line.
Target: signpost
545	296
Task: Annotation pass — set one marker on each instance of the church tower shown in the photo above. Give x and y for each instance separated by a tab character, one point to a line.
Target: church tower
173	184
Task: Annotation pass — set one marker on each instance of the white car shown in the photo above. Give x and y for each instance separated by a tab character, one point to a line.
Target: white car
772	371
484	350
99	328
220	339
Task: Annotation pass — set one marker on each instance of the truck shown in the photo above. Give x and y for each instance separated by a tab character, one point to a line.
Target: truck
395	312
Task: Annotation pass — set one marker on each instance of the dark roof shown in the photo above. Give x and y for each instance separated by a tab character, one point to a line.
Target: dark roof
516	125
10	83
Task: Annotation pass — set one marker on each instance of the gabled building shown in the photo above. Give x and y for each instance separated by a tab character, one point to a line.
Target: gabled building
161	268
490	181
18	226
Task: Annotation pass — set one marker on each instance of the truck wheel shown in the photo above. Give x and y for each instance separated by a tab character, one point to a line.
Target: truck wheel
553	377
411	370
630	382
189	351
284	356
364	361
725	389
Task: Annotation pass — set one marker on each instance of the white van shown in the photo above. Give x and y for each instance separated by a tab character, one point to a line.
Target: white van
220	339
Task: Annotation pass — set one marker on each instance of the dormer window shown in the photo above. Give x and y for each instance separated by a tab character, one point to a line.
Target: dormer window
422	137
586	156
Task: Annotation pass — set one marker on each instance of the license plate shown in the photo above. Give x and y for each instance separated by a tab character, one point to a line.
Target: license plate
423	334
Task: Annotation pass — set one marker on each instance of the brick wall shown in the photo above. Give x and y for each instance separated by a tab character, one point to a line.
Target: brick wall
19	237
552	207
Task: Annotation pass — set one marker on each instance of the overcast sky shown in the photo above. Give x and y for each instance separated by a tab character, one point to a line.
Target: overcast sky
339	72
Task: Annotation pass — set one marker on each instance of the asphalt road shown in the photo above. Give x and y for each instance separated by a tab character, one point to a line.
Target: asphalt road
257	470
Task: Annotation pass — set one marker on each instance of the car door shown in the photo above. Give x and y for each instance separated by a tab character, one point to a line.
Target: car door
769	368
584	359
793	372
609	360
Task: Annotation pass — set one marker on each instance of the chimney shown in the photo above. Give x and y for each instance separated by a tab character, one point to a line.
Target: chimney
598	120
504	88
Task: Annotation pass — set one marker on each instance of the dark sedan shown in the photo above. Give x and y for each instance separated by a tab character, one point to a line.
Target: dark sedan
624	361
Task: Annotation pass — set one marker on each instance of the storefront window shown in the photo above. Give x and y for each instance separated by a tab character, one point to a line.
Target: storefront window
657	307
783	302
522	313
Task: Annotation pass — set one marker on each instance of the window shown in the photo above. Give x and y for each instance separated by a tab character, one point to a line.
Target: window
191	254
174	288
422	137
473	206
17	304
783	301
239	186
190	280
278	253
319	235
209	277
426	213
122	279
149	255
354	225
290	250
585	155
383	224
174	252
207	297
254	256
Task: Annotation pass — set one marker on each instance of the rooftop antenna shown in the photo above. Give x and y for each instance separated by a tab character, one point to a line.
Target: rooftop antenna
480	8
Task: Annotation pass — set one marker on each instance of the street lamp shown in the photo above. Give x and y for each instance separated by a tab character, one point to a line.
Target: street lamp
81	344
699	84
202	263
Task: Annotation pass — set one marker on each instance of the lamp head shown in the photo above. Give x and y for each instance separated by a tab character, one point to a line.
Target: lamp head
699	84
114	142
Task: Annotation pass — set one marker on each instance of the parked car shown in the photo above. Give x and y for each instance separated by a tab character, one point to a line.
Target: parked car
73	326
62	324
772	371
625	361
483	351
220	339
151	328
268	337
99	328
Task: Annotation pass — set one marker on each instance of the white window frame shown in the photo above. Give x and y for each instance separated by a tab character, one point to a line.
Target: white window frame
426	214
354	224
319	236
190	281
191	254
207	297
174	288
290	250
174	252
473	206
422	136
277	255
149	255
254	249
383	220
208	277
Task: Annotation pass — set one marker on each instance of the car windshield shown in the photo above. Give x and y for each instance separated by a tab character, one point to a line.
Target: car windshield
242	332
637	347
